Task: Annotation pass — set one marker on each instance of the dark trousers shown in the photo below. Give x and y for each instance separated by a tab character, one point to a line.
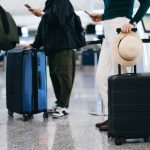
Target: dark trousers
62	72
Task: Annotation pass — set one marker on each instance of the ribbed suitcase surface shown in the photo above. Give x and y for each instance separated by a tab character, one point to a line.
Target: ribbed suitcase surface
129	106
26	82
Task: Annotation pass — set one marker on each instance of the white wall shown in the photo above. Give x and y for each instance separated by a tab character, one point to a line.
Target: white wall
29	21
24	17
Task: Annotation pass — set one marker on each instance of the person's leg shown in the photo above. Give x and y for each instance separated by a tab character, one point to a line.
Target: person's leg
62	72
103	68
107	65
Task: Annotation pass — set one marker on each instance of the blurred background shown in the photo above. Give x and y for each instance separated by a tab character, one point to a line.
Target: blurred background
77	132
25	19
28	23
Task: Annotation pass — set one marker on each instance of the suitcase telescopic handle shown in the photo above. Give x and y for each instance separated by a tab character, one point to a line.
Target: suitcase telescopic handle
118	30
119	69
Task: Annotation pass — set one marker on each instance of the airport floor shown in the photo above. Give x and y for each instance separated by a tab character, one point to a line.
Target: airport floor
74	132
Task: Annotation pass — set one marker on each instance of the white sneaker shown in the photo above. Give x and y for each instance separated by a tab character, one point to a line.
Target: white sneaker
60	112
52	110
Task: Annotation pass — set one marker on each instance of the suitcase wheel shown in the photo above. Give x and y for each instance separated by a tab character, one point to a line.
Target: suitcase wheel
26	117
45	115
118	141
10	113
108	135
30	116
146	139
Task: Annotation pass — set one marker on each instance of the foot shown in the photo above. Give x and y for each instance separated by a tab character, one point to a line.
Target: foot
52	110
60	112
98	125
103	128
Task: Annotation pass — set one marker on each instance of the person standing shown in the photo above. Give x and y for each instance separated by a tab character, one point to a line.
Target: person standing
58	32
117	14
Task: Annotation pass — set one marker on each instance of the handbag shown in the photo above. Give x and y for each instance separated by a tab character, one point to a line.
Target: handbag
8	31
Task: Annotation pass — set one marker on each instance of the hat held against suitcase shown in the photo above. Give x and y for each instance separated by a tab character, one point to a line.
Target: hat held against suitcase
127	49
128	94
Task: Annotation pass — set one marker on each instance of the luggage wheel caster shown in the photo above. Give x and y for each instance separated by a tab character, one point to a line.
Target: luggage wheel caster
45	115
146	139
25	117
30	116
108	135
10	113
118	141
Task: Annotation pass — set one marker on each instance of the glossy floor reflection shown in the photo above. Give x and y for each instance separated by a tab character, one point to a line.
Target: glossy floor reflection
75	132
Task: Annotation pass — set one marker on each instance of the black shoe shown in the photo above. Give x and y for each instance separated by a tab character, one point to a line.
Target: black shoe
103	128
98	125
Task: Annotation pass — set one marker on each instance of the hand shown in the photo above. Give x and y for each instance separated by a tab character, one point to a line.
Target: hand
126	28
37	12
25	46
96	17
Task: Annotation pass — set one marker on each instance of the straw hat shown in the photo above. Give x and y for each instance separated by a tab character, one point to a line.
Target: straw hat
127	49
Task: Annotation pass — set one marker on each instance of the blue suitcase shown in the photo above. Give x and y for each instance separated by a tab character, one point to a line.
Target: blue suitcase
88	57
26	89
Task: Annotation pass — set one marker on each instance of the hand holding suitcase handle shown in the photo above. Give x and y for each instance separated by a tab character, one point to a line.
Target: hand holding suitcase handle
118	30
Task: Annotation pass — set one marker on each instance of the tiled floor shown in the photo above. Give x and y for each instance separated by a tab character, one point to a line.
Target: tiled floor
75	132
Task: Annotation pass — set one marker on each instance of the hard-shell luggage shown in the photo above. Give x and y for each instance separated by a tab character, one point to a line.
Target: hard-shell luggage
129	105
88	57
26	83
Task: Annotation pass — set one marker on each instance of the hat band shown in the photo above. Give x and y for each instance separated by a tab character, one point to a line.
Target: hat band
118	49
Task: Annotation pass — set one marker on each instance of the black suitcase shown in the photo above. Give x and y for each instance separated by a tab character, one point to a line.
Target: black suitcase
26	88
129	106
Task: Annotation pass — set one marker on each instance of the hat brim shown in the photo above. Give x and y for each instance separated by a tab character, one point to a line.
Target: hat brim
116	54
